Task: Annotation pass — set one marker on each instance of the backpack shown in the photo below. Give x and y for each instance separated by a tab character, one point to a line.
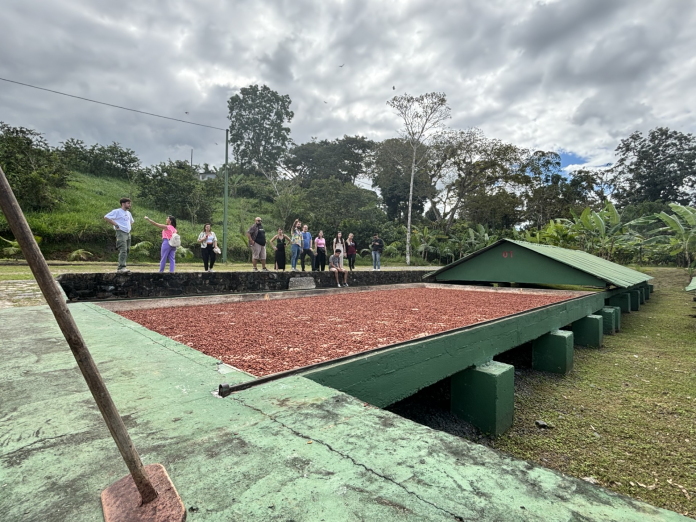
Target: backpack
175	240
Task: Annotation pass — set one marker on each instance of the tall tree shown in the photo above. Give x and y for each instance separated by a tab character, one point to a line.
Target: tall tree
391	173
175	188
467	163
258	130
661	165
346	159
423	118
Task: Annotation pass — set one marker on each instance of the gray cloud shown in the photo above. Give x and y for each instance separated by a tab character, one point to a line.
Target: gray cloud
576	75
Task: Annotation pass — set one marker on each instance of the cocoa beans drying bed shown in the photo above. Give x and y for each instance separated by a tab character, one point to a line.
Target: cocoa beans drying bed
265	337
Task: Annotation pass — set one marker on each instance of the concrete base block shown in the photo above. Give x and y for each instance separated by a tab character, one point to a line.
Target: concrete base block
635	300
553	352
485	396
589	331
617	317
623	301
608	317
642	296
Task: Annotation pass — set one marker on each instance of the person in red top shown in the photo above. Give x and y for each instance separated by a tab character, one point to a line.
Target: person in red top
168	252
351	250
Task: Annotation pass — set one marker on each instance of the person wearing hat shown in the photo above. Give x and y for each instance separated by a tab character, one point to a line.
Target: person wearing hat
257	243
377	247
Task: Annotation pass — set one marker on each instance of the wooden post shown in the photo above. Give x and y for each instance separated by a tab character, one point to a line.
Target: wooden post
37	263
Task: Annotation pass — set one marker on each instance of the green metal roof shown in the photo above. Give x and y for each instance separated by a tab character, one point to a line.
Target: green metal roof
692	285
576	267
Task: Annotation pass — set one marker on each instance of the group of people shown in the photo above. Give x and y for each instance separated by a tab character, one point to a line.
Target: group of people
122	221
301	242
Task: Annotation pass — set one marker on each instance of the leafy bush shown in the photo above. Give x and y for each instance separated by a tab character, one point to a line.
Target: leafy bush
34	170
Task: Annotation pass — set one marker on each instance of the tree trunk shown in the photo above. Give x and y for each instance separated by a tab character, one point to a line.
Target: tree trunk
410	203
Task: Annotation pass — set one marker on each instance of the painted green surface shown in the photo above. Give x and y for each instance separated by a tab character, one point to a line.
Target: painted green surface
641	295
247	457
581	268
609	321
387	376
485	396
651	287
635	300
646	291
508	262
589	331
617	317
622	301
553	352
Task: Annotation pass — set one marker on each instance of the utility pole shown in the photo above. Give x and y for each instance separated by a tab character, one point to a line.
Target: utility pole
192	157
224	215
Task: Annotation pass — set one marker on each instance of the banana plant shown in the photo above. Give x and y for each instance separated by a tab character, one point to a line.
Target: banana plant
682	226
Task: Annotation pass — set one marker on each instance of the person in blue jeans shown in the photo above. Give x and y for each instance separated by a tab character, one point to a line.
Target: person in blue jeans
307	248
296	242
377	247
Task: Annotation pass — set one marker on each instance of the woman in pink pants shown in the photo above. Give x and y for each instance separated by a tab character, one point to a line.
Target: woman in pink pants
168	252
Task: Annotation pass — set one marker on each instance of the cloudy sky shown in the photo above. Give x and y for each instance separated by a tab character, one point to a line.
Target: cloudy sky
574	76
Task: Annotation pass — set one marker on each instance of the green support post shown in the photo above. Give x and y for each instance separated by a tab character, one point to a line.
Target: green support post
609	320
553	352
225	196
641	294
635	300
622	301
646	291
485	396
617	317
589	331
651	288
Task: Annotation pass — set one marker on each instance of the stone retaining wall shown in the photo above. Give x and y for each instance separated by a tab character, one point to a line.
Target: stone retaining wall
97	287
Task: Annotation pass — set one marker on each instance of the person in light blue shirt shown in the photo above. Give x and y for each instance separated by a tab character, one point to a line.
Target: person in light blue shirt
122	221
307	248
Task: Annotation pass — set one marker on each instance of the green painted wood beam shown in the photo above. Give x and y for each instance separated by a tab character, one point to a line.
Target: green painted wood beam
387	376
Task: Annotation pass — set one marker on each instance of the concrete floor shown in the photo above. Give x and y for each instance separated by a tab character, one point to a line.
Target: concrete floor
287	450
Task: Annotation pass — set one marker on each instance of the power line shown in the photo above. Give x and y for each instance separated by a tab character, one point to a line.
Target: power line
111	105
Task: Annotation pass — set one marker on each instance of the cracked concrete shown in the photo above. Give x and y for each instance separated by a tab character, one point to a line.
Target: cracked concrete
246	457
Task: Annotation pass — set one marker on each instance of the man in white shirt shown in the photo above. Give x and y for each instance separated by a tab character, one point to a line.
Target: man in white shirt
122	221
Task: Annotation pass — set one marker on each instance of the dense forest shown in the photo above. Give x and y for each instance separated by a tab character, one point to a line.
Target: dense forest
458	189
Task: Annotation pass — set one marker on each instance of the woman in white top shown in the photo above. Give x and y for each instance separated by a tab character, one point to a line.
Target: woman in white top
340	244
208	241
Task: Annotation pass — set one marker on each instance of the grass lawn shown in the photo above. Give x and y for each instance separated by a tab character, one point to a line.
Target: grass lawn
18	271
626	415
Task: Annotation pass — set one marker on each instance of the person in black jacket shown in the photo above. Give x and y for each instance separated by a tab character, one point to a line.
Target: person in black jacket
377	247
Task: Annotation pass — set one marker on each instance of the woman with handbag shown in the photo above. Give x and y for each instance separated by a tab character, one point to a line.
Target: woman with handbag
280	241
209	247
168	250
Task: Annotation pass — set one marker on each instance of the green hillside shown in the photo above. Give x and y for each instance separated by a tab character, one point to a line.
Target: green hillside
77	222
